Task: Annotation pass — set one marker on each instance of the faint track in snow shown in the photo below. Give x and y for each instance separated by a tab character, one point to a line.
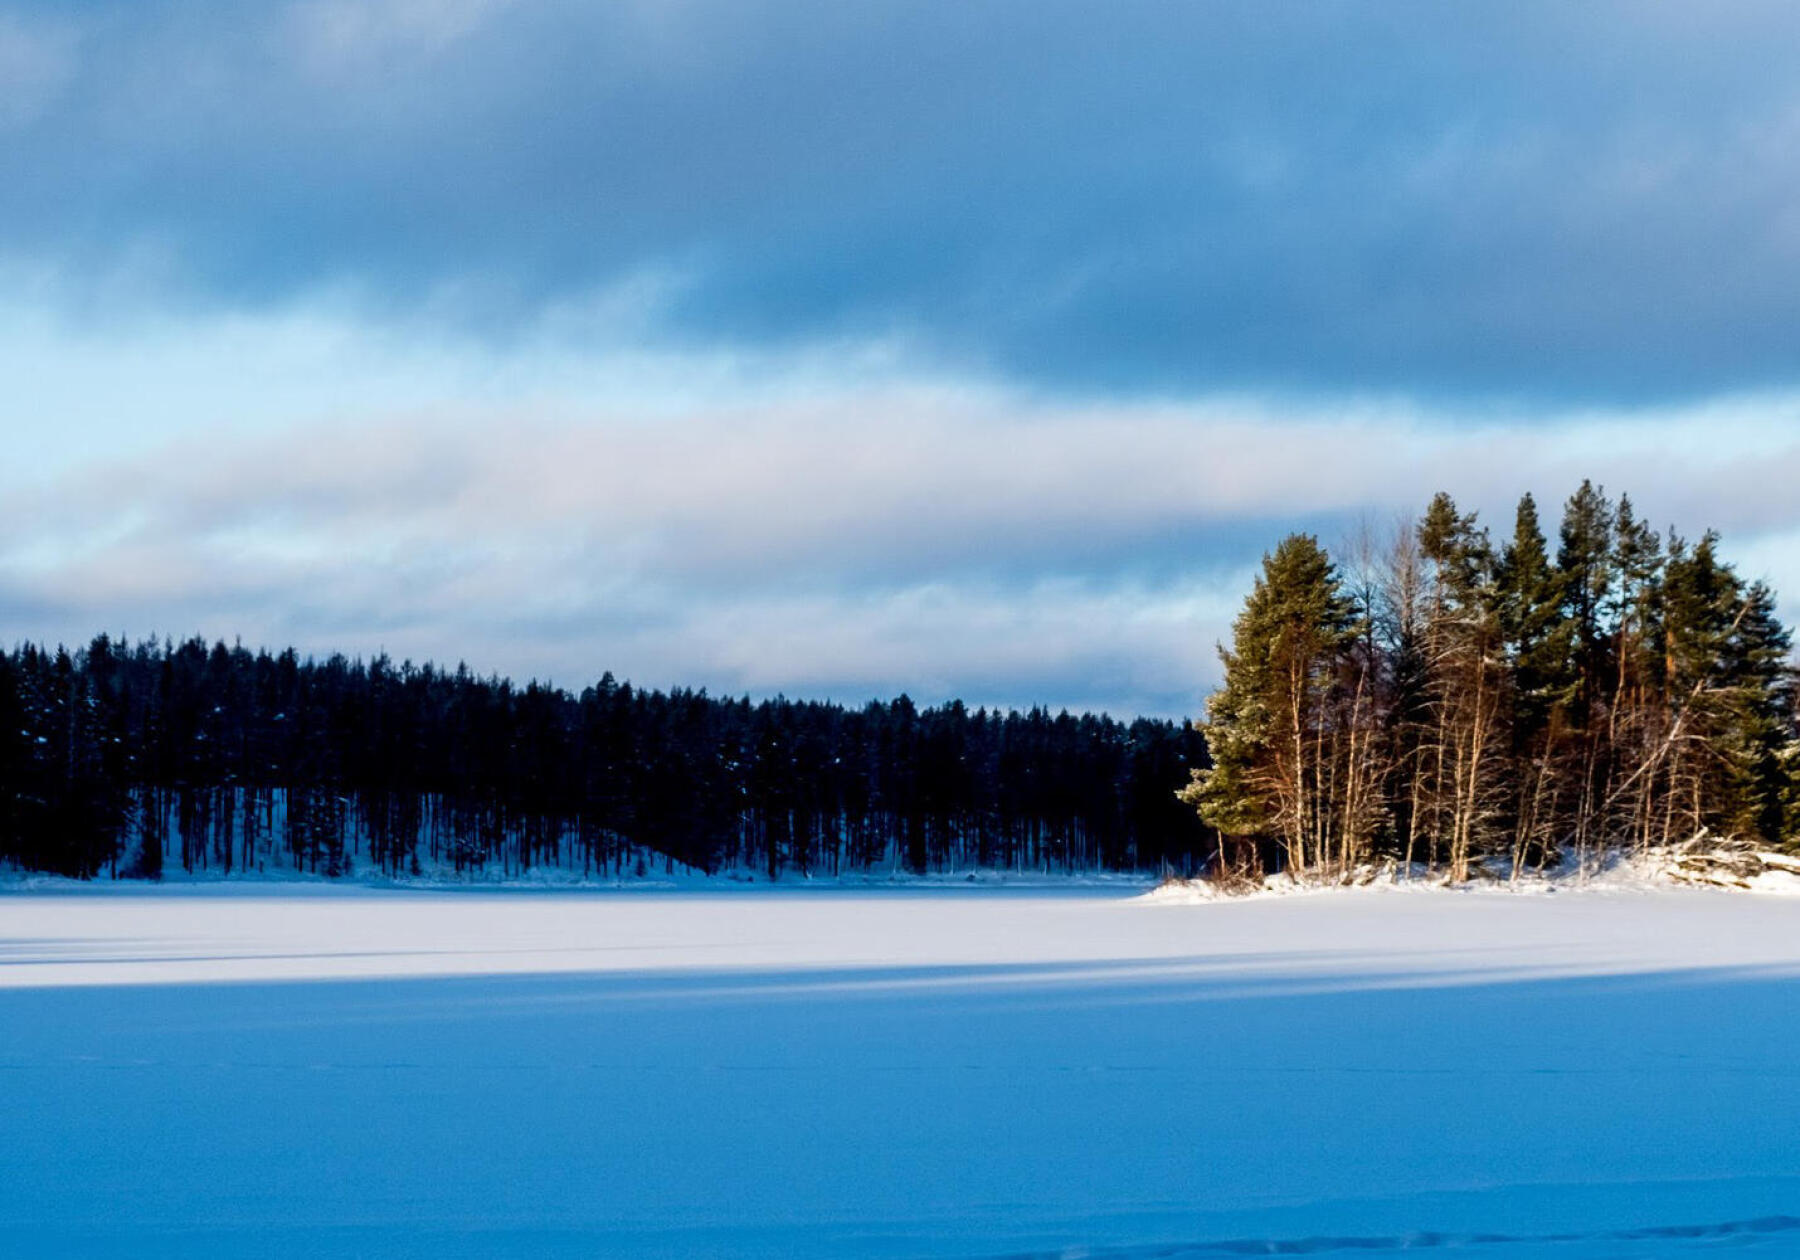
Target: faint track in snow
1769	1227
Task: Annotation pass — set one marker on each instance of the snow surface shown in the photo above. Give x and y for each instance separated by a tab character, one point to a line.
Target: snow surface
285	1071
1776	875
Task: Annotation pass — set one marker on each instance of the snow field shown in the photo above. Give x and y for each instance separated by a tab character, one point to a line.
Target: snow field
278	1072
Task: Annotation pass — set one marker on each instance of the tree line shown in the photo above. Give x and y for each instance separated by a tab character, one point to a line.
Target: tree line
129	759
1442	698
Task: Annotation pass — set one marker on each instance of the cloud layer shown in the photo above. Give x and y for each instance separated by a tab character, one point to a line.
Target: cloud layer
940	539
969	349
1531	199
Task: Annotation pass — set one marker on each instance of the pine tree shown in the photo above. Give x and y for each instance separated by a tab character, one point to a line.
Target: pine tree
1585	563
1637	714
1536	636
1469	685
1760	719
1585	568
1267	729
1530	594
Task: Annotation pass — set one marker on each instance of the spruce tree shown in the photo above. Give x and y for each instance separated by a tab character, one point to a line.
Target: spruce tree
1266	728
1530	594
1759	731
1529	590
1584	563
1469	684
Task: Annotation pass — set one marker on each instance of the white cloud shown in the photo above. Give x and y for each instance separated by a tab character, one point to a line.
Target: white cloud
821	523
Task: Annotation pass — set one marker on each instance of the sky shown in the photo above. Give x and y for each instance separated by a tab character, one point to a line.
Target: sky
970	349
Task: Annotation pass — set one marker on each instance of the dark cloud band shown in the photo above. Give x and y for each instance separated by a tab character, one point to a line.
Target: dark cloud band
1522	199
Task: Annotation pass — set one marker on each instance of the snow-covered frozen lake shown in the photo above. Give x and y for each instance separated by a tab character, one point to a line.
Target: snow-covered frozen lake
287	1072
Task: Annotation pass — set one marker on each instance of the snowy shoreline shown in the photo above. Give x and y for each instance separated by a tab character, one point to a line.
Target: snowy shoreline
1758	872
555	881
1770	874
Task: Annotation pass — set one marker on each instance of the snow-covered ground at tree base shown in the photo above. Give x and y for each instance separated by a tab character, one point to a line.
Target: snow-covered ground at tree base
287	1071
1762	872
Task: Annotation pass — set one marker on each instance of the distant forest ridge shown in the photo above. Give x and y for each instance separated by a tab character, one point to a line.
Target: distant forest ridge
127	760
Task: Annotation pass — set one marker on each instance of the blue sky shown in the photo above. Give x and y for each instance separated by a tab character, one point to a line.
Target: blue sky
839	350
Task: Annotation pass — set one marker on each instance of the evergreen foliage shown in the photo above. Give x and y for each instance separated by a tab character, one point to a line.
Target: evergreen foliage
120	759
1267	724
1464	702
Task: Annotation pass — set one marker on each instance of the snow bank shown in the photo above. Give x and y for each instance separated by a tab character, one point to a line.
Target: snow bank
1744	870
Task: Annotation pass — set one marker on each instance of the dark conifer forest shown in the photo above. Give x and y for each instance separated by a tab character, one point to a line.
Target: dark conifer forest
130	760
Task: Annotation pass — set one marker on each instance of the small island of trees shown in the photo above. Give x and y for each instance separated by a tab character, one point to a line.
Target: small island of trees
1442	699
